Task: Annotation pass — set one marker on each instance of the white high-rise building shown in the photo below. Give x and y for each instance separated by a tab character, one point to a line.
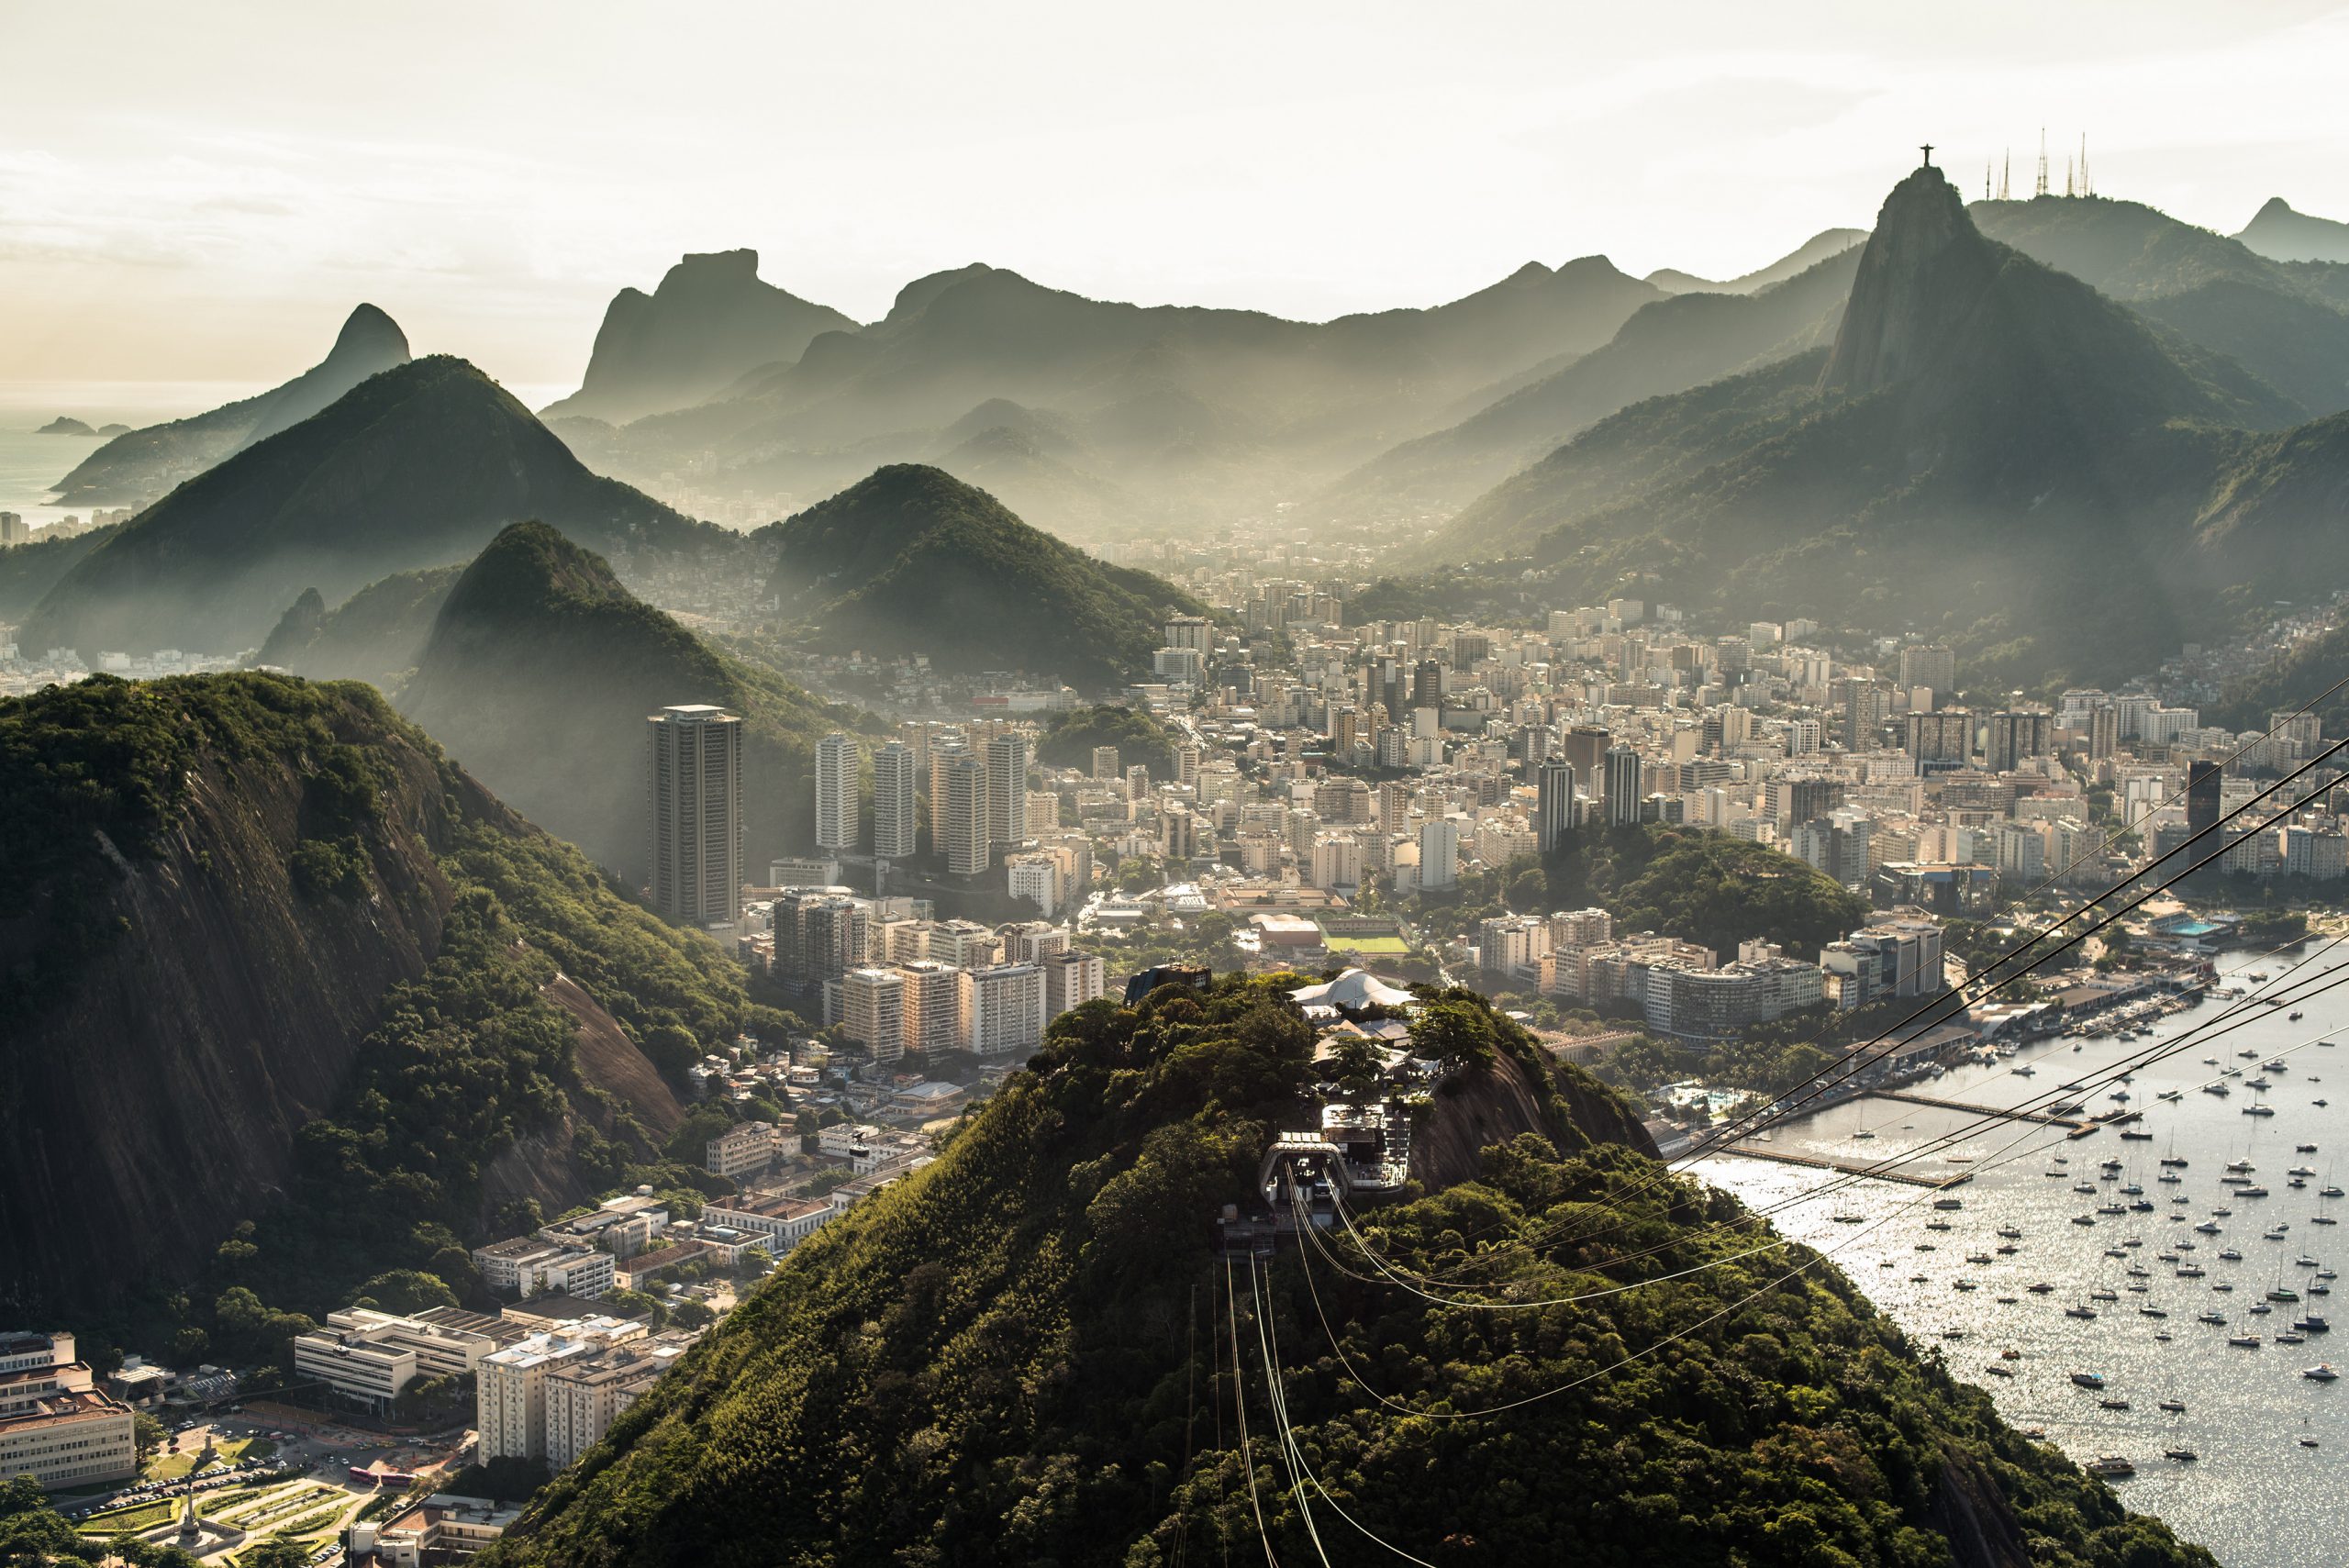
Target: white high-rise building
893	801
1622	784
965	827
697	857
1554	812
1071	980
510	1402
1440	854
837	766
1007	788
873	1002
933	1007
1003	1009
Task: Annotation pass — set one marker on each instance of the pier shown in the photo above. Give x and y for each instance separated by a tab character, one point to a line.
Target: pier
2076	1125
1845	1167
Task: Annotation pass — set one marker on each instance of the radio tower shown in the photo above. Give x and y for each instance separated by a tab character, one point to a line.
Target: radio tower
2086	188
1986	179
2042	189
2005	171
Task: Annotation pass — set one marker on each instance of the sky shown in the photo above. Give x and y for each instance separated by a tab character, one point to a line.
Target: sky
201	192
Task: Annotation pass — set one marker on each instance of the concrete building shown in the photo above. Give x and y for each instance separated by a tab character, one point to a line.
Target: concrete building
442	1528
529	1265
1035	877
966	826
782	1222
839	766
873	1008
1440	855
56	1426
1554	811
511	1400
584	1395
933	1007
365	1357
1105	763
697	825
1071	980
893	801
1623	793
744	1148
1004	1010
1006	762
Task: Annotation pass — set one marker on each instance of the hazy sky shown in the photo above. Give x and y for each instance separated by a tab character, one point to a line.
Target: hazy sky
201	192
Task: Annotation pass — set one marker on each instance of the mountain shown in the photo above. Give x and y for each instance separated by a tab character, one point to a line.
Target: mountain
417	467
1034	1351
2287	325
65	425
1819	248
1977	409
913	560
2281	234
374	636
541	672
711	321
1207	409
136	468
27	571
1668	346
298	1002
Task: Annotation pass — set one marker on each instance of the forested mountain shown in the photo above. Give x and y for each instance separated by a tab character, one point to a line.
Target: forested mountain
1975	401
540	672
1195	408
913	560
417	467
298	1002
2279	232
1668	346
2287	325
141	465
711	321
1029	1352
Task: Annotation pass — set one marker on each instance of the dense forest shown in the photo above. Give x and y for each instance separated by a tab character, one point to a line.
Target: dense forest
1030	1353
1704	887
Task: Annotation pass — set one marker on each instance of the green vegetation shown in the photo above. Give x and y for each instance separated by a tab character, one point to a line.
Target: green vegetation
1069	739
460	1064
911	561
413	467
539	676
1701	886
1019	1356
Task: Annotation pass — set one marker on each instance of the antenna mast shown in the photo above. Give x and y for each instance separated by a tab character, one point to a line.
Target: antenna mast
2086	188
2042	162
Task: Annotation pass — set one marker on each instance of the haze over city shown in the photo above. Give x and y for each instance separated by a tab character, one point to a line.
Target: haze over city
1047	787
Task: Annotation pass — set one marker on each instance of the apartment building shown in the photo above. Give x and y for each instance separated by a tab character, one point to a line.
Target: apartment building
745	1147
529	1265
584	1395
56	1426
1004	1010
510	1405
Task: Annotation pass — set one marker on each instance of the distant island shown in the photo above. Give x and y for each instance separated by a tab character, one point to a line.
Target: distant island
65	425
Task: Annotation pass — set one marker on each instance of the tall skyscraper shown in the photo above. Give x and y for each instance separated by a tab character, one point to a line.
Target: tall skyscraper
1622	784
893	801
2203	782
1585	749
964	829
835	791
696	814
2016	738
1006	803
1105	762
1554	812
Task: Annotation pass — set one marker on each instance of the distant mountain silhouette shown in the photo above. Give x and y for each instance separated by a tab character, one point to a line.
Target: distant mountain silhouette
65	425
142	465
914	560
418	466
709	322
540	670
1668	346
374	636
2281	234
1978	411
1800	259
1204	409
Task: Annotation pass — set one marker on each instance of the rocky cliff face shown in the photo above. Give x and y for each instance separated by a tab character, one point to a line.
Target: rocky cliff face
153	1093
1484	1106
1924	269
709	322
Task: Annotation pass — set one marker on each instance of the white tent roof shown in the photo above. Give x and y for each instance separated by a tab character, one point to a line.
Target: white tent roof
1354	989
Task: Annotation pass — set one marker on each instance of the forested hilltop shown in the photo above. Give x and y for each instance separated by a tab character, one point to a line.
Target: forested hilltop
297	1002
1029	1353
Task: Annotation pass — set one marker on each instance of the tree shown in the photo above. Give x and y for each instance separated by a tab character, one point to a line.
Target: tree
1355	1065
404	1292
691	1315
1455	1031
277	1551
673	1051
149	1434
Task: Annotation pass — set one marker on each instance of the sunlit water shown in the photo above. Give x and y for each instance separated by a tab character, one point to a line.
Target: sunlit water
2255	1496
